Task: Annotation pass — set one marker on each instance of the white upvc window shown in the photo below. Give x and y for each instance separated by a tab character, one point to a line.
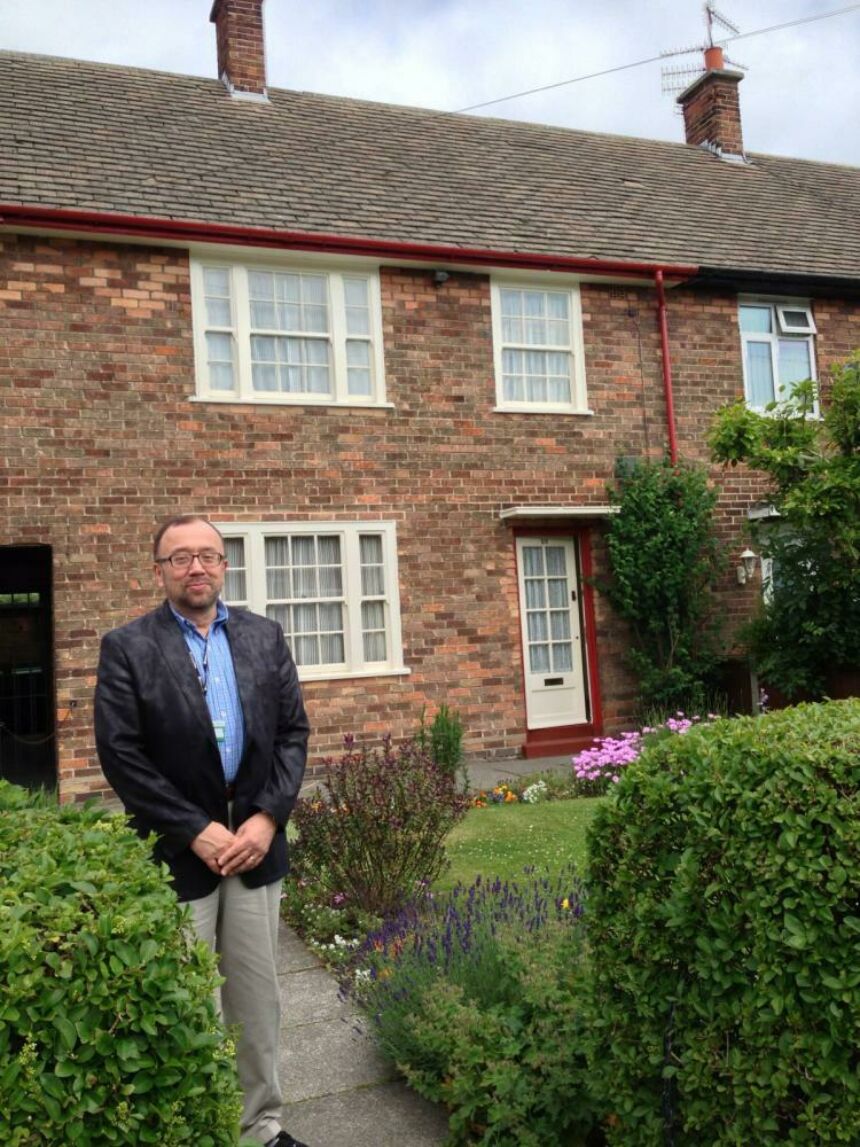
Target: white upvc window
332	586
283	334
537	342
778	349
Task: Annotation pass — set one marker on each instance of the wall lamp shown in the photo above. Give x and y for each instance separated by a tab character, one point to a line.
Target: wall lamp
440	277
746	569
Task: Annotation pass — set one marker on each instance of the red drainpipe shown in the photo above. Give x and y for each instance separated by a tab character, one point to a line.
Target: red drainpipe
667	367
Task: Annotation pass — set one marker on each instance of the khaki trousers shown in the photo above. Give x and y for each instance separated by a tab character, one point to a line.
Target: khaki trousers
241	925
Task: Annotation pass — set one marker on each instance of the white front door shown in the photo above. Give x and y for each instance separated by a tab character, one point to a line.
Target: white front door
552	642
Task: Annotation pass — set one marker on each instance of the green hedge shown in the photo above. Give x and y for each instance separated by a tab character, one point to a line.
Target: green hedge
108	1032
725	929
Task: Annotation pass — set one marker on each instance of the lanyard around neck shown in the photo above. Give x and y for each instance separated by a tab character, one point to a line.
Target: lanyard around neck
202	674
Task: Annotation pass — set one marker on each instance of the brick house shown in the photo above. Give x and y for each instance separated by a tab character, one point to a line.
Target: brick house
396	354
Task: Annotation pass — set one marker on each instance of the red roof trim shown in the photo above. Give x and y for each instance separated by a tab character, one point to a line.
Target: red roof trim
190	231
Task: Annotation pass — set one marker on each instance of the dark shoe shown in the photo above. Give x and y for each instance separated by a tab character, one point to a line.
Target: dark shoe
284	1139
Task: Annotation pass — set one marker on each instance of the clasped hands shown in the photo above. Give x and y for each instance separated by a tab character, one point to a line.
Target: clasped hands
227	853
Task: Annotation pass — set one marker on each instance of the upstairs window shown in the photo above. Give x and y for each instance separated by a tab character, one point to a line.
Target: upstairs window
287	335
778	350
537	335
332	588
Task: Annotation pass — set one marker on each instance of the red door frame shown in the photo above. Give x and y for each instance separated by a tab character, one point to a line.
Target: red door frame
566	738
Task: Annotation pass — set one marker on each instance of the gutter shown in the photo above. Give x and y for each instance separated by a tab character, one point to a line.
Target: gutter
190	231
801	283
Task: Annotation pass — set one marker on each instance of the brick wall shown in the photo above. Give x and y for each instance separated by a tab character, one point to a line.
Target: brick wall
712	112
240	43
100	441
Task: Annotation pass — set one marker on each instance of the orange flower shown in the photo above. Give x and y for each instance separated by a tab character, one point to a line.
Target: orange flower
510	798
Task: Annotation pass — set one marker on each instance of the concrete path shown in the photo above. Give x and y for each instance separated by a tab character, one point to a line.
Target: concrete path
338	1090
486	774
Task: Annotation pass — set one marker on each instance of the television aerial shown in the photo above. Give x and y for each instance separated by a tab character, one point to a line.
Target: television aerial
675	80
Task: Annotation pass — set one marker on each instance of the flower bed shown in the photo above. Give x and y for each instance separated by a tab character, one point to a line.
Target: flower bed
596	769
475	996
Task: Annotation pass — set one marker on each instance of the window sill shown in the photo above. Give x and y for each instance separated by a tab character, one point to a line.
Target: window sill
325	404
544	410
306	676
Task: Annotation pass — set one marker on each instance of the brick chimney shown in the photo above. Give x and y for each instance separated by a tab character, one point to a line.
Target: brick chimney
712	110
241	47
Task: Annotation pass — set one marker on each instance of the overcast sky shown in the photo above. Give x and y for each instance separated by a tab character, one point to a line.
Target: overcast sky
800	97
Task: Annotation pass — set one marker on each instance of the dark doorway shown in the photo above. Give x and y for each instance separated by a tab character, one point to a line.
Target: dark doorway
28	751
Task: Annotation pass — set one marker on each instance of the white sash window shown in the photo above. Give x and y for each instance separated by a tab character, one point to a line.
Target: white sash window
537	337
287	335
332	587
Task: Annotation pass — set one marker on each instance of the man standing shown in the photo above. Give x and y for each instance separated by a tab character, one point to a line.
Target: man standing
202	733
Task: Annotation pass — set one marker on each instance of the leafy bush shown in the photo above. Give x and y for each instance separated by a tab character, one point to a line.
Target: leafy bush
376	827
725	935
664	558
476	998
443	740
108	1030
810	623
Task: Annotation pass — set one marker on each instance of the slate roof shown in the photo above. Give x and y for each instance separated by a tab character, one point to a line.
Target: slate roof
108	138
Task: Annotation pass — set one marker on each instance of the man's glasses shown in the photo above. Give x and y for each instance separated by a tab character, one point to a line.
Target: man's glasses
182	559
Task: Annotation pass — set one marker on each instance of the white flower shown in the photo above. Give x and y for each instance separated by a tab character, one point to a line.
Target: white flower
534	792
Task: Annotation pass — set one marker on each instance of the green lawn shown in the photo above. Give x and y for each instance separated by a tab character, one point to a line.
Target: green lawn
501	840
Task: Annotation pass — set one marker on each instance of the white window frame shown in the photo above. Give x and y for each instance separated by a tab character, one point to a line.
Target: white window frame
787	328
575	351
781	329
253	535
240	332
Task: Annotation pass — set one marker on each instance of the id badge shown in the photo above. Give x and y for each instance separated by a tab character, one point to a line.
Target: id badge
220	728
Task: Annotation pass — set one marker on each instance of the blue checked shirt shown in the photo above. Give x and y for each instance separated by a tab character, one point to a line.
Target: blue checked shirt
214	663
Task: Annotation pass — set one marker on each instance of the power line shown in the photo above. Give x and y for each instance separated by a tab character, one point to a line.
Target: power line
560	84
791	23
654	59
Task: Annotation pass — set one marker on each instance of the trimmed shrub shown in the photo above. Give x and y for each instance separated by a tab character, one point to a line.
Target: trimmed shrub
477	998
376	827
108	1030
725	933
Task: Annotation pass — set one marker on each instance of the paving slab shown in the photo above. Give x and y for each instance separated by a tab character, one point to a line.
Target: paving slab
311	996
328	1057
293	954
389	1115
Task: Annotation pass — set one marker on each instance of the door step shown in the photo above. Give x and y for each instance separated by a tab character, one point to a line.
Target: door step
558	741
